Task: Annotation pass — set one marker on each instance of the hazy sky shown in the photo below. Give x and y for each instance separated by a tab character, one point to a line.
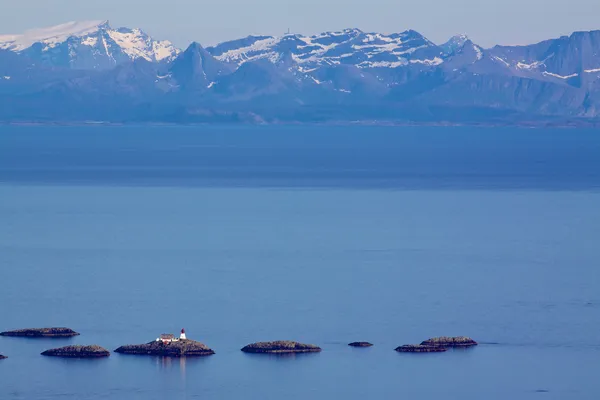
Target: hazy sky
487	22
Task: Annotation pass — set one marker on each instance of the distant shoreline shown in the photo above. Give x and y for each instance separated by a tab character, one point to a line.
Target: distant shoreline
543	124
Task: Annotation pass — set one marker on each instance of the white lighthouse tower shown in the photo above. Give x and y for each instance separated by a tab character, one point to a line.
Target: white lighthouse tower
182	335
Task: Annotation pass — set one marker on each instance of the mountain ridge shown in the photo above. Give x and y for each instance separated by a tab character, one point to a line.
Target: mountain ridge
348	75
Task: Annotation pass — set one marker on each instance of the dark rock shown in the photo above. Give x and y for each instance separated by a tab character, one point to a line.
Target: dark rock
78	351
419	348
280	347
360	344
181	348
2	357
41	332
445	341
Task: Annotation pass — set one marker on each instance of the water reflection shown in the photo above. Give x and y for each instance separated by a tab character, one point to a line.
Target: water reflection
176	363
281	356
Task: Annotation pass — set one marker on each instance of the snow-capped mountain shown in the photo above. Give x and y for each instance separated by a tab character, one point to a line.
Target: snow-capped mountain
88	45
123	74
348	47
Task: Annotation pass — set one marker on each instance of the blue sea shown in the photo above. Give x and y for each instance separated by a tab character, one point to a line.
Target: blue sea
323	235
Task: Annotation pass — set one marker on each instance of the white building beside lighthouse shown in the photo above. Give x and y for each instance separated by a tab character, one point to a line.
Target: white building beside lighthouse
167	338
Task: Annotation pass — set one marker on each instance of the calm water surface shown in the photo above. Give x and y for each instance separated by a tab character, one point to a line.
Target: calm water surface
321	235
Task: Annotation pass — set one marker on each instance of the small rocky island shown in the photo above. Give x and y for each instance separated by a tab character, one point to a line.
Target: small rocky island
419	348
181	348
445	341
41	332
280	347
167	345
78	352
360	344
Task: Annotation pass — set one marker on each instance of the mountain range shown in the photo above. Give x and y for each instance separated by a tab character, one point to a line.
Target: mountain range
88	71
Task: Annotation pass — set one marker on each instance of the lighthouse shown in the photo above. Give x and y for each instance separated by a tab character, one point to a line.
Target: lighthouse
182	335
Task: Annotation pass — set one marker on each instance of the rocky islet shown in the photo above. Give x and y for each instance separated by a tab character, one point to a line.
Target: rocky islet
41	332
280	347
448	341
419	348
181	348
78	351
437	344
360	344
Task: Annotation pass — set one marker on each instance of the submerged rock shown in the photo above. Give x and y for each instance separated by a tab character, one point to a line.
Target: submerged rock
360	344
41	332
419	348
280	347
181	348
78	351
445	341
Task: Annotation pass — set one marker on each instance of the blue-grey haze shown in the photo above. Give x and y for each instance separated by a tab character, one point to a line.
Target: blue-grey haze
488	22
323	235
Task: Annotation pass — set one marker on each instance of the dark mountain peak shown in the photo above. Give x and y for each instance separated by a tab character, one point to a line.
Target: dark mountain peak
198	57
455	44
352	31
193	48
462	54
197	68
411	34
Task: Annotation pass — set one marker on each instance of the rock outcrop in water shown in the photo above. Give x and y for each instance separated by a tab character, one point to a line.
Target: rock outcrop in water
280	347
41	332
2	357
78	351
360	344
445	341
419	348
181	348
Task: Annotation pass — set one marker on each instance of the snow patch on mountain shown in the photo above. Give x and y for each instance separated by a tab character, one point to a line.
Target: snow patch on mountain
383	64
479	52
255	51
90	41
103	45
136	44
51	35
350	46
501	60
435	61
533	65
559	76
